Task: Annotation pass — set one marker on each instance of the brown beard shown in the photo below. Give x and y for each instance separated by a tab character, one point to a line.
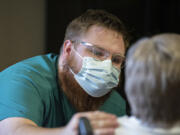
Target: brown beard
76	95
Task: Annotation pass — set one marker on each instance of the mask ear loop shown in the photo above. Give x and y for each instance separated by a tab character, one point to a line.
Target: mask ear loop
79	56
77	52
71	71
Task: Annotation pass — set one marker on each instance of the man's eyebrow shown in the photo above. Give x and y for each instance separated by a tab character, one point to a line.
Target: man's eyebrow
119	54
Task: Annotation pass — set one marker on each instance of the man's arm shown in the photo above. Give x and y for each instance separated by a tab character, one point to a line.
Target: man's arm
23	126
102	123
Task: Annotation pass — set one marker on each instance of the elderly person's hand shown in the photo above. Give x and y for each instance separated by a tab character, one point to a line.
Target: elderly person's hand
101	122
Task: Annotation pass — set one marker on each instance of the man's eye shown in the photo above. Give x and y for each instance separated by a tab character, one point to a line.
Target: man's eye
117	60
98	53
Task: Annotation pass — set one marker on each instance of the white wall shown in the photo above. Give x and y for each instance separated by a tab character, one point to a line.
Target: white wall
22	30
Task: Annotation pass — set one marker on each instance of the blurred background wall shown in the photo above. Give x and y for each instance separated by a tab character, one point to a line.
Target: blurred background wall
142	17
22	30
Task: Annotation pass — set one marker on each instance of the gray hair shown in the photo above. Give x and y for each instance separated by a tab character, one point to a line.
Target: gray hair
153	79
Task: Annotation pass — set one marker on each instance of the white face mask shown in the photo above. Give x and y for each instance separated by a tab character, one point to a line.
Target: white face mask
97	77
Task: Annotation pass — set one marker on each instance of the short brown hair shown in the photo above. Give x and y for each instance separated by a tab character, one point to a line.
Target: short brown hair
153	79
95	17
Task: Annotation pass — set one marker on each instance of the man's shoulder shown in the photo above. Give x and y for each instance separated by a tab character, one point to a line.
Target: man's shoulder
38	72
39	64
28	87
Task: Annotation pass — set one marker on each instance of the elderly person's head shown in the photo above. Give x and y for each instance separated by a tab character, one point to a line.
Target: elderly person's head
153	79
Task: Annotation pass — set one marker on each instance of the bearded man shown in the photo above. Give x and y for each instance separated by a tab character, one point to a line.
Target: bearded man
47	94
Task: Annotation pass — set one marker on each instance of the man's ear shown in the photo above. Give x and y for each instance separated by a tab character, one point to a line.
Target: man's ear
65	55
67	48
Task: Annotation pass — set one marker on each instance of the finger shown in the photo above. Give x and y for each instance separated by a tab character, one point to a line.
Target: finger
74	121
97	115
77	116
97	119
102	115
106	131
104	123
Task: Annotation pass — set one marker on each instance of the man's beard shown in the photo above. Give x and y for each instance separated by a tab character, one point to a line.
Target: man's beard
76	95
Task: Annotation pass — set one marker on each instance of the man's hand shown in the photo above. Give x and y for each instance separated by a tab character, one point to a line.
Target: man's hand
101	122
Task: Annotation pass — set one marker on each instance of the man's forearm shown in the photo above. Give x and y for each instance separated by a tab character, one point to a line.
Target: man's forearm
34	130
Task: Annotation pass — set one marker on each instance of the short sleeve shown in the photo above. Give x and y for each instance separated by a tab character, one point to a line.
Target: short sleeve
19	97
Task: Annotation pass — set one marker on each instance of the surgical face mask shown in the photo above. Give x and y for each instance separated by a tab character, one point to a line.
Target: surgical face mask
97	77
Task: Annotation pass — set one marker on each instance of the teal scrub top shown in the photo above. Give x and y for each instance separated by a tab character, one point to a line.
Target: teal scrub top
30	89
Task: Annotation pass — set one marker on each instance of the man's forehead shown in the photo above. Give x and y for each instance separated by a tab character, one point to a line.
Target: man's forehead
100	30
104	37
